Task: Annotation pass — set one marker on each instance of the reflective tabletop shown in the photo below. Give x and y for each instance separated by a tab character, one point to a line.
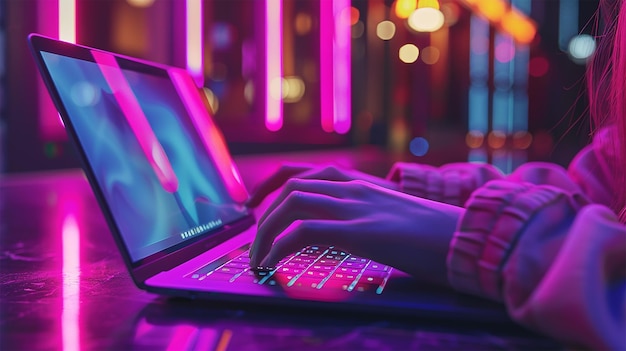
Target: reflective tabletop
63	286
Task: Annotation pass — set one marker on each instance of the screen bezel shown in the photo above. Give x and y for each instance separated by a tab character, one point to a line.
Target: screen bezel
162	260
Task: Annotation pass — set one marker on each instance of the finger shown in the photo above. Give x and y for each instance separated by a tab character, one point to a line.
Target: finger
314	186
275	181
296	207
309	232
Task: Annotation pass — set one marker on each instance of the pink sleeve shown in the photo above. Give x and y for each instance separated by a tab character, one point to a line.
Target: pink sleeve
557	262
592	175
452	183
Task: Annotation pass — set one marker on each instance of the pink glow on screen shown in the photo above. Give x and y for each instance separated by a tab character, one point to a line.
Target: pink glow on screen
335	67
194	44
137	120
210	134
273	64
71	277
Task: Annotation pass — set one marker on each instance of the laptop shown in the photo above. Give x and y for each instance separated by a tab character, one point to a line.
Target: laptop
175	202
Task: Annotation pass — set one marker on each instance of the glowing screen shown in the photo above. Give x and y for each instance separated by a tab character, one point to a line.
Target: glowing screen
149	159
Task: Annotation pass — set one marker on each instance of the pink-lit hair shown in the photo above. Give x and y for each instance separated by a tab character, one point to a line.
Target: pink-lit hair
606	77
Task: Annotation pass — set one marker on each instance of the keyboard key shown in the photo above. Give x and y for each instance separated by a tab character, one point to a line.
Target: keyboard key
378	267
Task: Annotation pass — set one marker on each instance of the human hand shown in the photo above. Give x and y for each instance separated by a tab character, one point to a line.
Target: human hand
406	232
311	171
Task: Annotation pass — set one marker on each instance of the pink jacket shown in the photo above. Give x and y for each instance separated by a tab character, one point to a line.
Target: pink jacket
543	240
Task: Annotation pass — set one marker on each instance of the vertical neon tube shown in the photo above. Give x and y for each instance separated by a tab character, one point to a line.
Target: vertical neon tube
327	86
478	119
568	22
194	40
67	20
502	117
274	64
50	17
342	74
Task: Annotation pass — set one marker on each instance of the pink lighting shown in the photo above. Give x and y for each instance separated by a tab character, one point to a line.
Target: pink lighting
71	279
194	40
211	136
137	120
335	68
274	64
184	338
56	19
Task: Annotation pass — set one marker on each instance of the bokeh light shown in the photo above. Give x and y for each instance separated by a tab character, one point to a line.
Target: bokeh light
451	12
496	139
538	66
408	53
248	92
303	23
430	55
293	89
84	94
404	8
212	100
358	29
505	51
522	140
355	15
419	146
581	47
385	30
140	3
426	19
492	10
474	139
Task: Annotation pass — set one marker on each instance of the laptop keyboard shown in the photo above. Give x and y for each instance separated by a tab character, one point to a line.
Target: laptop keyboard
314	267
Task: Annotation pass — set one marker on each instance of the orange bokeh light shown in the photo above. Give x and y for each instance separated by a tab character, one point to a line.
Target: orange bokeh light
404	8
354	15
505	17
493	10
518	26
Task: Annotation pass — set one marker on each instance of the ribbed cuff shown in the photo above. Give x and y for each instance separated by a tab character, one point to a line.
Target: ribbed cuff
451	183
495	216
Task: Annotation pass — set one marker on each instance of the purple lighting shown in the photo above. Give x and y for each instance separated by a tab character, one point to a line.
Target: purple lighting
273	64
335	85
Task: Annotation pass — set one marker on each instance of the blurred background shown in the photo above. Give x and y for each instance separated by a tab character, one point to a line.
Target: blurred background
436	81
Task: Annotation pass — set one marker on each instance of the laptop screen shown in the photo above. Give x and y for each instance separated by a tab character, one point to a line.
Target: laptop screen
160	162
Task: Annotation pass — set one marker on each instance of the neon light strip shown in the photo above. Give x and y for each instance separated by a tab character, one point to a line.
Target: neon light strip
50	125
520	98
478	118
194	43
273	64
568	22
67	20
327	86
70	329
502	116
137	120
342	73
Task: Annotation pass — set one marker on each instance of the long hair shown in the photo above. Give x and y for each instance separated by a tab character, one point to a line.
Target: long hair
606	79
